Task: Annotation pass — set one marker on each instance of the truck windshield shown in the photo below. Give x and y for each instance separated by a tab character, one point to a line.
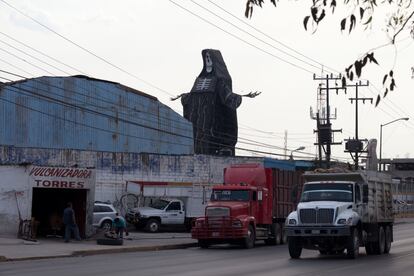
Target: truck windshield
327	192
230	195
159	204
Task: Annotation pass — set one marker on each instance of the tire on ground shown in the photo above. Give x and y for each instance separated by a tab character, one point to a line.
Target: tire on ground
388	239
110	241
203	243
249	241
378	246
276	233
352	248
295	247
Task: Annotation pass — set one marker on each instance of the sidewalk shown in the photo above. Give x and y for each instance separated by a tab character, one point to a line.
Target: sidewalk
13	249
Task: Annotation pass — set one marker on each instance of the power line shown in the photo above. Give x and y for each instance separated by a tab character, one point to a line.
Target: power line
241	39
42	53
85	49
252	35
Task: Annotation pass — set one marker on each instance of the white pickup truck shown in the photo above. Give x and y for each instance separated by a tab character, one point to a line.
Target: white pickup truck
160	211
167	203
343	211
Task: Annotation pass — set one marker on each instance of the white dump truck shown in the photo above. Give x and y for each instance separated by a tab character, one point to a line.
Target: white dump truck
167	203
341	211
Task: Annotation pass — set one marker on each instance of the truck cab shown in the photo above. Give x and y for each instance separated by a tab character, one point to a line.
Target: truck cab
231	215
342	212
159	212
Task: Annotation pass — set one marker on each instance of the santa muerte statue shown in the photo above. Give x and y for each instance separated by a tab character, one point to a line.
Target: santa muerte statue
211	107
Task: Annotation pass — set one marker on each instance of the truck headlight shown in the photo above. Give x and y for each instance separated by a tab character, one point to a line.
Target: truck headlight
345	221
236	223
292	222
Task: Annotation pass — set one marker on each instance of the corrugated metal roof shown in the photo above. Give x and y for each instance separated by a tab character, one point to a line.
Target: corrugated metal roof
84	113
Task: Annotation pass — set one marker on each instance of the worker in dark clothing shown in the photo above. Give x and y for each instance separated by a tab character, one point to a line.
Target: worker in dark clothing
70	223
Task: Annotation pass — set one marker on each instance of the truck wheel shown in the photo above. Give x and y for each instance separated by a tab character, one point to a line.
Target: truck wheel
249	241
379	245
203	243
276	233
295	247
352	249
152	226
388	238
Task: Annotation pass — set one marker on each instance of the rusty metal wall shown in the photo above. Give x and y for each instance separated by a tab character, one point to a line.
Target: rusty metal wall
89	114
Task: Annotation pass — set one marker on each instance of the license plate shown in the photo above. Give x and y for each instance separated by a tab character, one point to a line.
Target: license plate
215	234
316	232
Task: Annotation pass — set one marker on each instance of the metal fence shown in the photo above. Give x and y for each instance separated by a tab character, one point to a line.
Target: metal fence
403	193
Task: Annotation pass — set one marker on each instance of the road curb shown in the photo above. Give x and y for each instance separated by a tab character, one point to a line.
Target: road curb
117	249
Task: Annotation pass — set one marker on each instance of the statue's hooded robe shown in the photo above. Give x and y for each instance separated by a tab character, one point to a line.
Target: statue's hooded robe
211	107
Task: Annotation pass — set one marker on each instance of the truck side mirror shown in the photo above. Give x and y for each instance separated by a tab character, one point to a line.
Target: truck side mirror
365	193
259	195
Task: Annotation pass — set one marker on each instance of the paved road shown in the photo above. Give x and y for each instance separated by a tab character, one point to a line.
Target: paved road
262	260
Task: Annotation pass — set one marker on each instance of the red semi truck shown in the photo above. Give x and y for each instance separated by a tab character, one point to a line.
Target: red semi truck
252	204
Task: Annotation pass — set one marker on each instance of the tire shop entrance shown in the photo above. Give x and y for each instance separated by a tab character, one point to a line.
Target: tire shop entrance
52	189
48	206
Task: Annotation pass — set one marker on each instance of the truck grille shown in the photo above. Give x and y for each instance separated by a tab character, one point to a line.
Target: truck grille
217	212
316	216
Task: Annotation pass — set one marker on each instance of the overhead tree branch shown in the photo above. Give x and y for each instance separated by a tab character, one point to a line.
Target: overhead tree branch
402	27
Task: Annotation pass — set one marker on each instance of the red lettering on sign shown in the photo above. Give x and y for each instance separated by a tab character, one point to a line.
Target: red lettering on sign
55	183
80	185
63	184
71	184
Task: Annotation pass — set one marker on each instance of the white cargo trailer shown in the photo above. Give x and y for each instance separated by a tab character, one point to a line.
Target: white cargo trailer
343	211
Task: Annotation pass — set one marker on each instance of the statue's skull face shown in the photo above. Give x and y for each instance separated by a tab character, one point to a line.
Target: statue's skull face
209	63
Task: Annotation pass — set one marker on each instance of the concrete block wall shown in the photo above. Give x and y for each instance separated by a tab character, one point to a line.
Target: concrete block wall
113	170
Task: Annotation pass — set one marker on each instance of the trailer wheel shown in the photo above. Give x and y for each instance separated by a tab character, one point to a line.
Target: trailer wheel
152	226
352	249
295	247
379	245
388	238
276	233
249	241
203	244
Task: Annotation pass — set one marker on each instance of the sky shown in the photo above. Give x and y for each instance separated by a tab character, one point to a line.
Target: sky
155	47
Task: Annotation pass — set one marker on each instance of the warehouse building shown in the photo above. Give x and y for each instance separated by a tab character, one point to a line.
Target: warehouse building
55	132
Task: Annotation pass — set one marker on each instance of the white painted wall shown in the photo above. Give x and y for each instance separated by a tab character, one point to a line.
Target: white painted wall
14	191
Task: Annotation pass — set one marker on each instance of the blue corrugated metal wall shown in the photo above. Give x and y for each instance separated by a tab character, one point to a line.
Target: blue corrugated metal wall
89	114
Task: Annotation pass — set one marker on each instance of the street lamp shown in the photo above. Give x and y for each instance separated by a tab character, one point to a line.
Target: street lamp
291	152
399	119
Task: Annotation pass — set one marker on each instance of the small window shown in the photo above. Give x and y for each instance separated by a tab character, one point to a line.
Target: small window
357	193
174	206
96	209
254	196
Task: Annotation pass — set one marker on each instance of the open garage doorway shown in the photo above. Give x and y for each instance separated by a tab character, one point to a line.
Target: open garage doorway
48	205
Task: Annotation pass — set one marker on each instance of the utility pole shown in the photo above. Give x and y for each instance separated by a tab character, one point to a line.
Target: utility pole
323	117
355	146
285	149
